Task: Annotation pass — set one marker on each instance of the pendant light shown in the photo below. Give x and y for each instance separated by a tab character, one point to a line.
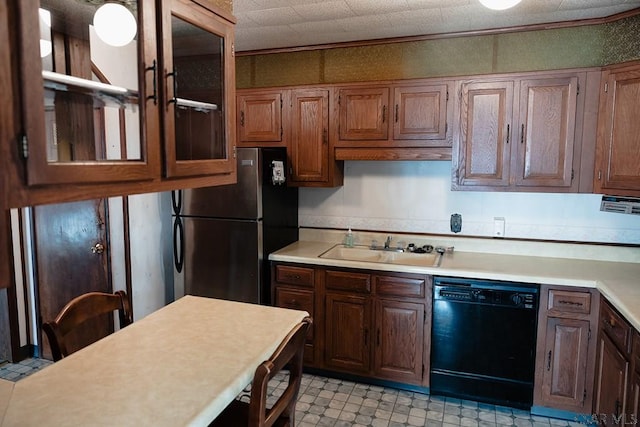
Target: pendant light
115	24
499	4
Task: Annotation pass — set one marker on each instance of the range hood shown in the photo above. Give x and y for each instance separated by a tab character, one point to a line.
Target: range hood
625	205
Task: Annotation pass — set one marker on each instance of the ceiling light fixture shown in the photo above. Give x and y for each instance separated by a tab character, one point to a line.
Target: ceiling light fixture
499	4
115	24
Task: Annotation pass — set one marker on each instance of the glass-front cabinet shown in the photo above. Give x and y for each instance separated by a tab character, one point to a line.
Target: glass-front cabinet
126	91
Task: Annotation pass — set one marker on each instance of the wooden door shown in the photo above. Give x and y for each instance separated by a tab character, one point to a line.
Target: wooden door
364	114
483	156
309	146
546	132
65	238
260	117
611	382
348	319
618	146
420	112
399	341
565	366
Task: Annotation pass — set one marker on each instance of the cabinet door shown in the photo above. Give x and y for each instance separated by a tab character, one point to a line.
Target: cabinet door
420	112
199	90
299	299
347	341
611	382
546	132
399	341
565	366
309	145
88	105
363	114
633	402
260	117
485	131
618	145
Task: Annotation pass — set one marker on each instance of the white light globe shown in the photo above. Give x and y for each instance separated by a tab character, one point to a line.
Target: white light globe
499	4
114	24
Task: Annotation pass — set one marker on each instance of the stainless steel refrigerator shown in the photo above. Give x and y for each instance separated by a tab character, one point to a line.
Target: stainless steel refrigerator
222	236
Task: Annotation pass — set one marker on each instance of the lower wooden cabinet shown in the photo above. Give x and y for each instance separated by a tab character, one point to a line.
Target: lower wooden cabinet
565	356
365	323
618	370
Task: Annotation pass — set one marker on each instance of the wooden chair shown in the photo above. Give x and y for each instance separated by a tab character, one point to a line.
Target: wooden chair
255	413
78	311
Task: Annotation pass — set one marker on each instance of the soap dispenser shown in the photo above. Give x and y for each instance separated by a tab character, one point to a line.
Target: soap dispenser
348	239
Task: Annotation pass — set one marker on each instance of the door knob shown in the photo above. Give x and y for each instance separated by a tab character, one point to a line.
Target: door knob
98	248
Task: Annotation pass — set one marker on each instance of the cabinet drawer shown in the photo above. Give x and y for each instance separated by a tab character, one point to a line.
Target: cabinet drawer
297	299
301	276
400	286
569	302
348	281
615	327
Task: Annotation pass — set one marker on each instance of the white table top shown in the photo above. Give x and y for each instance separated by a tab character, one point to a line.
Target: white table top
181	365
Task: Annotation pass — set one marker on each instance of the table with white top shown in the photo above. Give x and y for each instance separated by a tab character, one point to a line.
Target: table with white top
181	365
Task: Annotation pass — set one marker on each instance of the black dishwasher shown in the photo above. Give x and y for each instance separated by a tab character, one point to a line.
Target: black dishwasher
483	340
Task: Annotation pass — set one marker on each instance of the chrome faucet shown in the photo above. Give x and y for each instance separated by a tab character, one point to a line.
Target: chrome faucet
387	243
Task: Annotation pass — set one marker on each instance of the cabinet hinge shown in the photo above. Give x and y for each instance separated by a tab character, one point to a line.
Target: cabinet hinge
606	87
578	91
599	175
233	49
447	96
572	174
234	151
584	395
281	103
589	336
423	370
24	146
446	127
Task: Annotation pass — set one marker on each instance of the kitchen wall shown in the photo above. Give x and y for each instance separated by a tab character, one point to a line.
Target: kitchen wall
416	197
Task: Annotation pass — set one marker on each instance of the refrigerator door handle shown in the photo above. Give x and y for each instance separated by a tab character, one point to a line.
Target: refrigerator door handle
178	244
176	201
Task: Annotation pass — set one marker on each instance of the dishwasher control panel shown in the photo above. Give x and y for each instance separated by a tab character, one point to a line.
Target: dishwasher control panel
486	292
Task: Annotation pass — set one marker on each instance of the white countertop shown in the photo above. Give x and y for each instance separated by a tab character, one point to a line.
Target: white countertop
179	366
619	282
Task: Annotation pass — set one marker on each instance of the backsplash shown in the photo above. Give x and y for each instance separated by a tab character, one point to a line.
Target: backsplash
416	197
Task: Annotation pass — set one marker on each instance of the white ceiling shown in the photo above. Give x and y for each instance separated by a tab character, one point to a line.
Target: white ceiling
265	24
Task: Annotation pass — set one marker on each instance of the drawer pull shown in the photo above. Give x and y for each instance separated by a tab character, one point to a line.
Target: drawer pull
566	302
610	323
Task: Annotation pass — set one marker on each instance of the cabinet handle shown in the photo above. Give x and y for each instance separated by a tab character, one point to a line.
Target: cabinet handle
522	134
242	118
384	113
324	136
565	302
396	113
549	361
153	68
173	75
508	127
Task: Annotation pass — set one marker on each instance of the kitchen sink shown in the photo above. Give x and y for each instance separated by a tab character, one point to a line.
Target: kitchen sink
366	254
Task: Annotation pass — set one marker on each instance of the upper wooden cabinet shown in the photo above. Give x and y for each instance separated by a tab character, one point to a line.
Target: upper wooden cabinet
297	118
100	118
521	133
199	90
394	121
618	145
260	118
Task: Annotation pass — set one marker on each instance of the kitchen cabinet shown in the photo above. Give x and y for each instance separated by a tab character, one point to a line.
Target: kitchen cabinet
87	129
565	355
521	132
295	117
376	323
295	287
633	393
406	120
618	137
615	376
260	118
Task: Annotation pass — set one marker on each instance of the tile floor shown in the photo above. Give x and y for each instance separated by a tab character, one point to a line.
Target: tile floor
338	403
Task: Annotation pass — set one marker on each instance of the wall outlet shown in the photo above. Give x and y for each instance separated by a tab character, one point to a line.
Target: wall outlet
498	226
456	223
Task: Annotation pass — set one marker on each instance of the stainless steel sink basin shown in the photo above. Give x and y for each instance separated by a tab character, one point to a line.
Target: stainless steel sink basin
365	254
